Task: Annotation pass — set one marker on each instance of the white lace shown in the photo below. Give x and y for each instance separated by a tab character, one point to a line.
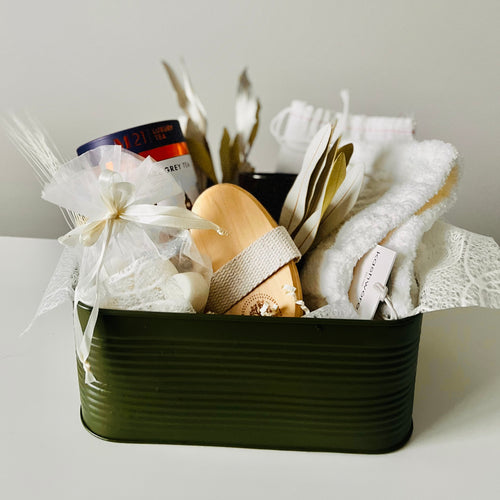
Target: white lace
144	285
62	284
457	268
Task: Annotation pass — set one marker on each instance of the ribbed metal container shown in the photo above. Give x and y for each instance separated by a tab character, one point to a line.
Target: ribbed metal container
284	383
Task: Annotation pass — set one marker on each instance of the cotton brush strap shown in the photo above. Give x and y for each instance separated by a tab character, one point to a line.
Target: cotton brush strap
251	267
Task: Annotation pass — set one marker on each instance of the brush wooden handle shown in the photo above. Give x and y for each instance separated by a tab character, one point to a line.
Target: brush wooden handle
245	220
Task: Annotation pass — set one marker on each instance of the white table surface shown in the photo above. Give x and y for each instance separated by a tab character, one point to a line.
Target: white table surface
46	453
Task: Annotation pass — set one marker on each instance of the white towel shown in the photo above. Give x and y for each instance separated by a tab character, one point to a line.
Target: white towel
409	185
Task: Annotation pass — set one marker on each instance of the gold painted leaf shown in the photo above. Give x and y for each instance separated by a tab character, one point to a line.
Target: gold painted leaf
333	152
335	179
236	152
199	150
342	203
318	194
296	202
347	150
330	179
225	156
255	128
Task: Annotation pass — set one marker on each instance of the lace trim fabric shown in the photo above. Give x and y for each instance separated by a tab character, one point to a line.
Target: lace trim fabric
61	287
144	285
457	268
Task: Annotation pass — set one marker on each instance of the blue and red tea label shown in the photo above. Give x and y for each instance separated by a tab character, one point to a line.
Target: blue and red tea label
164	142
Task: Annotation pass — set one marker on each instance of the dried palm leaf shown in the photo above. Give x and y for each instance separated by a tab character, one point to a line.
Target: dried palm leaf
225	156
234	152
195	126
313	197
296	203
247	110
307	232
200	152
343	201
188	100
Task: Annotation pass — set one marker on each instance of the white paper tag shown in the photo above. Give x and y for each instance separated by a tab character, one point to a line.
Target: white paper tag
181	167
374	267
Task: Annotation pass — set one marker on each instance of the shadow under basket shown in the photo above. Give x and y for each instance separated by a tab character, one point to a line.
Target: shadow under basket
257	382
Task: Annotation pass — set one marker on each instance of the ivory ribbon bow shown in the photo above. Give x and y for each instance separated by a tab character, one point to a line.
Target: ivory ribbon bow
118	204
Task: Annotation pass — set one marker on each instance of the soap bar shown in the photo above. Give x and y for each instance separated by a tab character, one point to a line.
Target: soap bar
168	268
245	220
194	288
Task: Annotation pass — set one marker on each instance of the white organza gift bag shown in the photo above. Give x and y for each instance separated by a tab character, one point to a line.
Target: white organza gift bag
137	251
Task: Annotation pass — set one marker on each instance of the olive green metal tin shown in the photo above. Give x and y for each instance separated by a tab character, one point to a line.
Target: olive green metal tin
283	383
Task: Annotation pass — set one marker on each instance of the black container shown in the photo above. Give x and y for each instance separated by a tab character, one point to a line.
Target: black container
269	188
283	383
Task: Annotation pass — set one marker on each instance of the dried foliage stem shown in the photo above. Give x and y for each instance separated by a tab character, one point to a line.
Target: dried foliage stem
320	198
41	154
233	152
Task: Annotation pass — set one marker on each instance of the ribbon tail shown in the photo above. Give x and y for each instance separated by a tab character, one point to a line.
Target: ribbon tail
89	377
86	341
168	216
86	234
84	338
72	238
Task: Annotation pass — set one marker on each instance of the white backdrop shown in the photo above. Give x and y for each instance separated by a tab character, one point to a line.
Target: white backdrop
85	69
